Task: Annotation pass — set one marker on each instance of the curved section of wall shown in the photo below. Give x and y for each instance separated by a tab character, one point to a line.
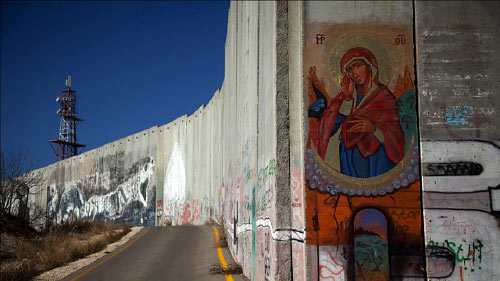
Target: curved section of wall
112	182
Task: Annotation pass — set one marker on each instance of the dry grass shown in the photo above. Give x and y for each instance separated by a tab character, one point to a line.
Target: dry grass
27	257
217	268
210	222
222	241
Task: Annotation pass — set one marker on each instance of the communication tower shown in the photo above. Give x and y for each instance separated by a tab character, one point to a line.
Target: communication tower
66	145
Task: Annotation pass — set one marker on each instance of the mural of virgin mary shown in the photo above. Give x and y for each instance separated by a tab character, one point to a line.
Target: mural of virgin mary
363	118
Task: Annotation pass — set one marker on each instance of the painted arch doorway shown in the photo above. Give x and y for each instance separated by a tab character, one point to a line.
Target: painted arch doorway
371	246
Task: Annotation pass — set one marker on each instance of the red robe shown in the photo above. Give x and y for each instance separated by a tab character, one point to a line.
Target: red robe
380	108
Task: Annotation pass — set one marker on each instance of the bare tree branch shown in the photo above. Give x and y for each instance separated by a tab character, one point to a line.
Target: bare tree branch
17	182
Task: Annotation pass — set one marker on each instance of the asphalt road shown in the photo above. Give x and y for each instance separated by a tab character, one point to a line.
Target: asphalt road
174	253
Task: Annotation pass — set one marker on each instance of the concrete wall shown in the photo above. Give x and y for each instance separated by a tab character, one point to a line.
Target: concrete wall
459	111
115	182
247	158
222	159
453	214
217	164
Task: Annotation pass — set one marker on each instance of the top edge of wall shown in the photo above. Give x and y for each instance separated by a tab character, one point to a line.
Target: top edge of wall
148	131
106	146
214	98
359	12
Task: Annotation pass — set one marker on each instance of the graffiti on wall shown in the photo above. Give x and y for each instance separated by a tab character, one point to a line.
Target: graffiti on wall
174	189
117	194
458	115
469	255
330	268
452	169
362	158
461	202
440	261
297	204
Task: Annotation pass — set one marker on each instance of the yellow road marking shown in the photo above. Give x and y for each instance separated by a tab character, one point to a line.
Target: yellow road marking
229	277
110	257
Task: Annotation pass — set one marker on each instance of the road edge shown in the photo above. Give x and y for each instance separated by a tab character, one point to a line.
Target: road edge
64	271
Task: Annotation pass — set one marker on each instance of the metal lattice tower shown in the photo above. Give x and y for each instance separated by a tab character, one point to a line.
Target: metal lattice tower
66	144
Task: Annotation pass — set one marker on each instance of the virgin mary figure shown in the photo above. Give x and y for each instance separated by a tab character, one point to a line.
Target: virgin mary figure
360	123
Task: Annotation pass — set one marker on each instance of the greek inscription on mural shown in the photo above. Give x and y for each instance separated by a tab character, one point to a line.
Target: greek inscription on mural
400	39
320	38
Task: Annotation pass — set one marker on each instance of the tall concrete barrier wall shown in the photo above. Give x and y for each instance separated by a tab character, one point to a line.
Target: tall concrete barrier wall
350	140
113	182
218	163
457	72
432	212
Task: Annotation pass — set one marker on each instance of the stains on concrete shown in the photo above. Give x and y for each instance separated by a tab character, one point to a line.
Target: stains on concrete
129	200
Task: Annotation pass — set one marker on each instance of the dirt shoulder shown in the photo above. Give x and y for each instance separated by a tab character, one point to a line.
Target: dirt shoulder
61	272
26	254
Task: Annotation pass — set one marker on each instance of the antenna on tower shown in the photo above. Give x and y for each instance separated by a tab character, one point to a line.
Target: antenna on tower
68	81
66	145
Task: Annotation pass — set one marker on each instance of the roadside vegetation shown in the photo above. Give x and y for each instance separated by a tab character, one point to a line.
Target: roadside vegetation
26	253
31	243
219	224
231	269
221	242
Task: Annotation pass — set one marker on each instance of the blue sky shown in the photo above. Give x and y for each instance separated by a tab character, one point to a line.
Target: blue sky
134	65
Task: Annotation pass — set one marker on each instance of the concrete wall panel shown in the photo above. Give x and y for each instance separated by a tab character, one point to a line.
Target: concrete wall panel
175	173
457	69
110	182
297	115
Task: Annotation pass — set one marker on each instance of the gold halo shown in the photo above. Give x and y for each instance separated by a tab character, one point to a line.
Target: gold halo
365	40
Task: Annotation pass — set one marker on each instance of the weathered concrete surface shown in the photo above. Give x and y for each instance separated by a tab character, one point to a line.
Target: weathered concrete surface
113	182
283	250
297	116
458	69
240	159
458	72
